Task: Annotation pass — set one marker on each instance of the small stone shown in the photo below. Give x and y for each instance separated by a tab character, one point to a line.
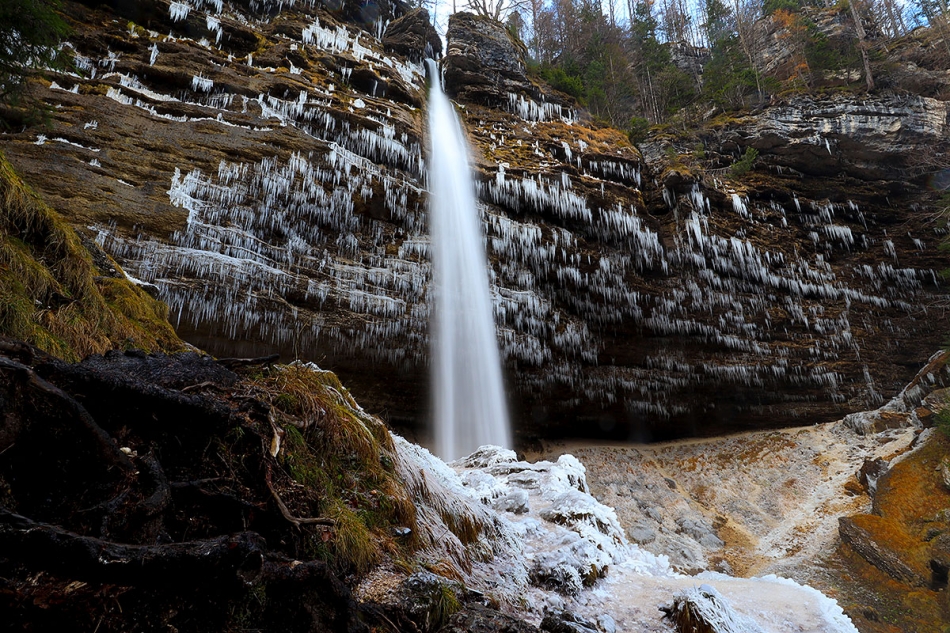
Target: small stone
478	619
945	473
641	534
700	531
567	622
870	472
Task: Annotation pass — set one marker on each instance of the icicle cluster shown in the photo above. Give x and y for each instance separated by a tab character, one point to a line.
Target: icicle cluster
330	244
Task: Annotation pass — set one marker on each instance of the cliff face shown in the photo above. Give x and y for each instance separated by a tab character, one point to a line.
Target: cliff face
660	288
264	167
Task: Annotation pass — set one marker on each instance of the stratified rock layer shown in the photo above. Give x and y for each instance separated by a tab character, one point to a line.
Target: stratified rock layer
413	36
265	171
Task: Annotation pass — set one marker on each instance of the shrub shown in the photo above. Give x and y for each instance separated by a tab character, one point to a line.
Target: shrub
560	80
638	130
742	166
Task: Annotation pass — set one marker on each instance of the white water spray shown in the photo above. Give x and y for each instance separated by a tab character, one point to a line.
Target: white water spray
470	408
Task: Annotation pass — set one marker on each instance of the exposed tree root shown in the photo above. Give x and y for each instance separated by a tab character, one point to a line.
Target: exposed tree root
42	547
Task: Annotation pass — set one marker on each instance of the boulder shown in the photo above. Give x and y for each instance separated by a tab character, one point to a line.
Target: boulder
699	530
413	36
641	534
879	556
567	622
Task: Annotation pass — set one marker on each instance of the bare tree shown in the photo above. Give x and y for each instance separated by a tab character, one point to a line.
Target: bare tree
892	15
862	43
745	15
535	7
675	21
497	10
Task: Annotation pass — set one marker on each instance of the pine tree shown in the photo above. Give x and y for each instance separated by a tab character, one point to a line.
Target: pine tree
30	35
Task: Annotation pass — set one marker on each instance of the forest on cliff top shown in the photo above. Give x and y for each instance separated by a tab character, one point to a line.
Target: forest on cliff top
636	63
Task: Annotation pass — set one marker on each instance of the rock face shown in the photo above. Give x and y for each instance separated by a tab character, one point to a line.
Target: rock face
642	281
265	171
889	137
484	64
413	37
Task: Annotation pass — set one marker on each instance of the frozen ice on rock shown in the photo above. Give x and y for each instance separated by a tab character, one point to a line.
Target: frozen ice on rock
704	605
486	457
178	11
570	538
561	550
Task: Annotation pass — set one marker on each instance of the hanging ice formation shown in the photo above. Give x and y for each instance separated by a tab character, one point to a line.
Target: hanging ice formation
735	290
470	408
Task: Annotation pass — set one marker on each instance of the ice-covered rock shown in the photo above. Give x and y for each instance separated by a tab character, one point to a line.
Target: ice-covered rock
703	608
565	552
571	538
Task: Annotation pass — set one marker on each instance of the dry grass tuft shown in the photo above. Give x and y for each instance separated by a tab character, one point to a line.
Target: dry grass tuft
339	463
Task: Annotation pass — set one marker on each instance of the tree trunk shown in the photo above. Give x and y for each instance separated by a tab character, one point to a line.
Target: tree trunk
862	44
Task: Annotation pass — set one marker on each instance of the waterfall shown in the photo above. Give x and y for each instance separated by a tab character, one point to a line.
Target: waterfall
469	397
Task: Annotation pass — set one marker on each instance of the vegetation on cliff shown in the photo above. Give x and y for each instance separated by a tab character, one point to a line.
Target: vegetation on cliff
66	297
671	59
31	32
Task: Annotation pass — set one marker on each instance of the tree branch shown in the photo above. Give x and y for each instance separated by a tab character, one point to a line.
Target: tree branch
297	521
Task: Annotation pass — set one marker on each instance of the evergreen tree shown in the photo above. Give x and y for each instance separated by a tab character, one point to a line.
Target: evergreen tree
663	88
30	35
729	77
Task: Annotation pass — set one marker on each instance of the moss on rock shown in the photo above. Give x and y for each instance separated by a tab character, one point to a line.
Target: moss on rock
54	296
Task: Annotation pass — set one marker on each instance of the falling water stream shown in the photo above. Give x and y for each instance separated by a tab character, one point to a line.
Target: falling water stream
470	408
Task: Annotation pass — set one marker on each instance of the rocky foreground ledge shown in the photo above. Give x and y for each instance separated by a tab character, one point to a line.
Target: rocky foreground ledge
154	492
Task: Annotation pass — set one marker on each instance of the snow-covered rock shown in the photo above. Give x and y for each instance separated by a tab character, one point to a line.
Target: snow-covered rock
546	546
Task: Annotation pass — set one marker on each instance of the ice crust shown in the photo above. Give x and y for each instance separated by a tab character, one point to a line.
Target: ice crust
546	539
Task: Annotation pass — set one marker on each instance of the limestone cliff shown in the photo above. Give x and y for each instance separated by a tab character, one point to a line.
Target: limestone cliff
264	166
